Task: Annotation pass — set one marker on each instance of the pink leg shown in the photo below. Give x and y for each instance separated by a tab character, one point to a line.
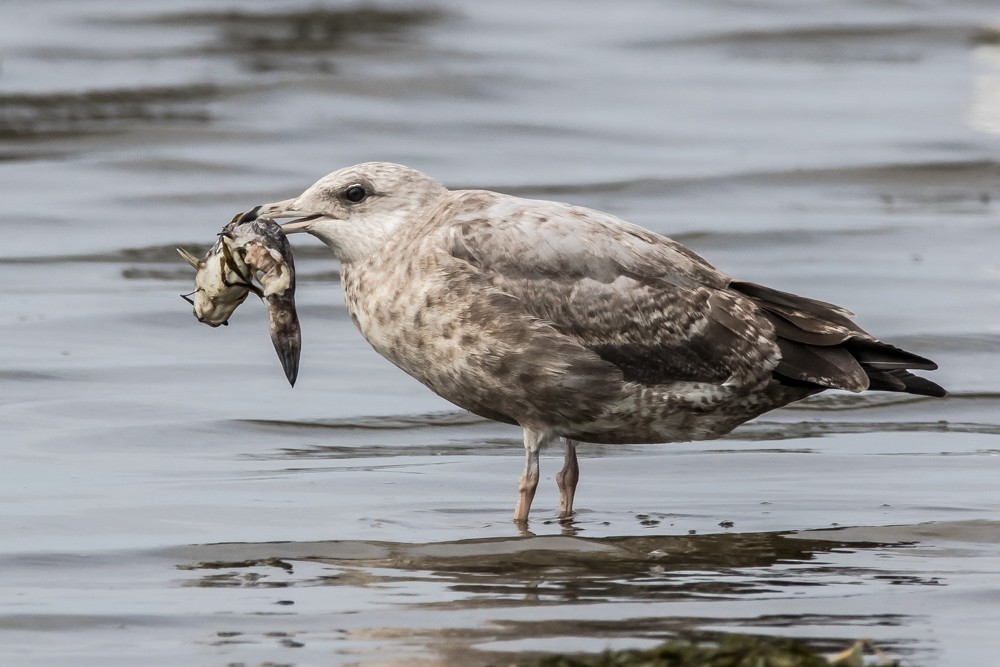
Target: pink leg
533	442
566	479
526	487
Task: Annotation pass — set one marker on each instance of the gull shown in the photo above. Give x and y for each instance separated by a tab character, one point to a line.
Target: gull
572	323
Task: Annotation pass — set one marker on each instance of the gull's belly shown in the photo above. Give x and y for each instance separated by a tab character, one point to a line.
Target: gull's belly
534	376
412	329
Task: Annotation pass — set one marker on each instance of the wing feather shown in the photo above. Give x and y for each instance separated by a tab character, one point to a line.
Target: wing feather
645	303
658	311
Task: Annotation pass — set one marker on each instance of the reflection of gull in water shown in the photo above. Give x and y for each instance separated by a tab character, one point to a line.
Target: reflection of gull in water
571	322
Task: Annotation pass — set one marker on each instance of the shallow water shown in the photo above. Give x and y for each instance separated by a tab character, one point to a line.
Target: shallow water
165	498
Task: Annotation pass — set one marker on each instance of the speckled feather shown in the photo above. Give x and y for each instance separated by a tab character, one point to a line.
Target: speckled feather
573	322
562	318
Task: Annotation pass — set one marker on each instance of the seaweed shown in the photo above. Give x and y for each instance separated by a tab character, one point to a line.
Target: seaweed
727	651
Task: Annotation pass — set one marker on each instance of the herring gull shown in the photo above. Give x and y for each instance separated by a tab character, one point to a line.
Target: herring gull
573	323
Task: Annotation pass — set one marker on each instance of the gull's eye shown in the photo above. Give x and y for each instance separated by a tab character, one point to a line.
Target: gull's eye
355	193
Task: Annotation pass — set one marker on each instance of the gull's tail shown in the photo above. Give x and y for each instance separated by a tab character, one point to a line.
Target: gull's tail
821	346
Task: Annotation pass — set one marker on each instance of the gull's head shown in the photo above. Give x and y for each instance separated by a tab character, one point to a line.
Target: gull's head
356	209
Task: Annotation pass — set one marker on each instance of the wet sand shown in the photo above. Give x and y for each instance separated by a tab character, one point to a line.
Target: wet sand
167	499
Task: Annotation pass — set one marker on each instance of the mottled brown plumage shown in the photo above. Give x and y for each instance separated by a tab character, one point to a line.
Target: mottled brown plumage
572	322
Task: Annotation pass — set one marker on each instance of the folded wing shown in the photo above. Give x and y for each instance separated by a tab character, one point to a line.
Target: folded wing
661	313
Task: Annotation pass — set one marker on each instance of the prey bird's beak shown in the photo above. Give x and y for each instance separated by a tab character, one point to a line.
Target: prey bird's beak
189	258
286	209
288	353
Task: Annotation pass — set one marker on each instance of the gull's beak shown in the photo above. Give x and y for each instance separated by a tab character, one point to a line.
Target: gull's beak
286	209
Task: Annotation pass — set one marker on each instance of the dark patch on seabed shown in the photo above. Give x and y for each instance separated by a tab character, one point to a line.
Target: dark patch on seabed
551	571
144	256
300	40
981	176
300	29
98	111
844	43
575	568
380	422
763	430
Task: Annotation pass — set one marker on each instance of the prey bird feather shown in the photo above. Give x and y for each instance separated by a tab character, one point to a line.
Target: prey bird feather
572	323
250	248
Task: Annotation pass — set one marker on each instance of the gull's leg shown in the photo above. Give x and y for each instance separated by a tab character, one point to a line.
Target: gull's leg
533	442
567	478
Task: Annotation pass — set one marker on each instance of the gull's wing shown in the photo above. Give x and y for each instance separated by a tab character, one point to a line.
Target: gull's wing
658	311
639	300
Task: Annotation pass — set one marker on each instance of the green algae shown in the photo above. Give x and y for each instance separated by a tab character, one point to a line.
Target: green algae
728	651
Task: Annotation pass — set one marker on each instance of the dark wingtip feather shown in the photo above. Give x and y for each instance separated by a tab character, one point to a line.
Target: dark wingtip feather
900	380
820	346
826	366
882	356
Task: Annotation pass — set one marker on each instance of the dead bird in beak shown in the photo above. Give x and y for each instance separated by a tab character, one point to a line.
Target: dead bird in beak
251	255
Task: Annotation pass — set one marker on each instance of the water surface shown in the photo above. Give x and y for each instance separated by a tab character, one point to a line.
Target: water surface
165	498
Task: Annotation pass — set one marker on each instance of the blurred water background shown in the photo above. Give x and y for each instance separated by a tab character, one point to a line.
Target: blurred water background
166	499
